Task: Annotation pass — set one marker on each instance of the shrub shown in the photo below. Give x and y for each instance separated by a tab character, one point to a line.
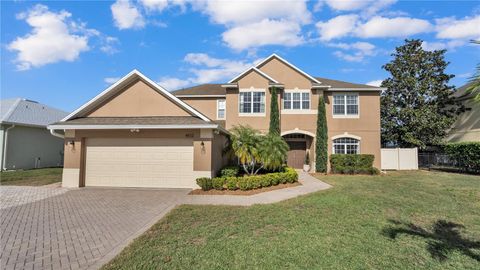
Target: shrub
229	171
231	183
205	183
352	164
218	182
321	144
466	154
248	182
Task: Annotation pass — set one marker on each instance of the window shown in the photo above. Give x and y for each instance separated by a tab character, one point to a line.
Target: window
345	104
252	102
296	101
346	146
221	109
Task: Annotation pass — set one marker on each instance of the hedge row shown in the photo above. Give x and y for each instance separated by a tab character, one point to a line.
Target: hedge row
248	182
352	164
466	154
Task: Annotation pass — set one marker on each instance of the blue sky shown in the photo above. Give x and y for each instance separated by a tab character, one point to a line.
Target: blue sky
62	53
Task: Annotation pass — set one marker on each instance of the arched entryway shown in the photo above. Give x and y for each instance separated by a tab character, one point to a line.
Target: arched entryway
300	143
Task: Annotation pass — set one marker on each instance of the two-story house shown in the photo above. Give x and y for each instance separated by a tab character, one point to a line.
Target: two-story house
137	134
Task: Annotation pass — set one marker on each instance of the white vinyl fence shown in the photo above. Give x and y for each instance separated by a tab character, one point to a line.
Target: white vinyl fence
399	158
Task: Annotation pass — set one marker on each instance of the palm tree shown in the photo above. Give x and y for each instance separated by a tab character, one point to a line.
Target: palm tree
273	151
474	87
256	151
245	141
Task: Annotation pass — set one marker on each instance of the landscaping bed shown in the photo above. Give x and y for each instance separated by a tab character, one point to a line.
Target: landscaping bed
228	180
242	192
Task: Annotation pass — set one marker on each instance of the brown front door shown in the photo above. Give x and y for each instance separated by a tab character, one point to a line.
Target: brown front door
296	154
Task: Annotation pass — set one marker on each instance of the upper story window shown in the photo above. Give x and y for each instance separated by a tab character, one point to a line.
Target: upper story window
252	102
296	100
345	105
221	109
346	146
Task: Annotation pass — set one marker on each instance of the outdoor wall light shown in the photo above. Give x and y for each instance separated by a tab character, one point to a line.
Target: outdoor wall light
134	130
71	144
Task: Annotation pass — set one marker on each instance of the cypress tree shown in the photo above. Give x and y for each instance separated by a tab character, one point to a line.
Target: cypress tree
274	114
321	145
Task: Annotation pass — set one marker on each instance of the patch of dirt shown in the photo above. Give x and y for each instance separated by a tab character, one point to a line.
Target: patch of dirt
242	192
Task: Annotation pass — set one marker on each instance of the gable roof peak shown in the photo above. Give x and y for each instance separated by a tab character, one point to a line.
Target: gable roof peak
112	89
274	55
265	75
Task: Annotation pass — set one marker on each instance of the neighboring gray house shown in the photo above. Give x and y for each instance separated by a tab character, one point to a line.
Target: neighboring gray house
25	141
467	126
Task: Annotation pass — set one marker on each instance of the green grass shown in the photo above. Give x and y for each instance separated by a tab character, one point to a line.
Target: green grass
35	177
407	220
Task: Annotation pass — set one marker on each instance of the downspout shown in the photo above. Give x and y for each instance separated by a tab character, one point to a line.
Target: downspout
58	135
5	140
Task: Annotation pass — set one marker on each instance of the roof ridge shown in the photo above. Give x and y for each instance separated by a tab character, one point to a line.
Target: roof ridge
11	110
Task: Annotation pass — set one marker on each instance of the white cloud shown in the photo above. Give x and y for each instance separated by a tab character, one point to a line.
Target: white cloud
51	40
154	5
438	45
171	83
242	12
337	27
345	5
108	45
392	27
209	69
450	28
111	80
266	32
126	15
376	83
205	69
376	27
368	7
464	75
359	50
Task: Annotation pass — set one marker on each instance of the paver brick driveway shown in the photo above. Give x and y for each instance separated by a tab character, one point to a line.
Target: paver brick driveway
55	228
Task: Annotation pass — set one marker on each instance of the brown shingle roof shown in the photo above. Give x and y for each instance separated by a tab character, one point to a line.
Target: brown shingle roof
152	120
217	89
342	84
203	89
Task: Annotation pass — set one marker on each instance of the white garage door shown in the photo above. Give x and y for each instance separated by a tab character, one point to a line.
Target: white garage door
143	162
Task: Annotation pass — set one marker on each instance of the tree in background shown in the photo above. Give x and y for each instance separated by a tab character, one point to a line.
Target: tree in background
274	114
321	145
417	109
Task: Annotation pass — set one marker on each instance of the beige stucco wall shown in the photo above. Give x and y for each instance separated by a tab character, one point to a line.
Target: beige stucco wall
26	144
138	99
285	74
467	127
205	105
233	118
218	159
75	154
367	126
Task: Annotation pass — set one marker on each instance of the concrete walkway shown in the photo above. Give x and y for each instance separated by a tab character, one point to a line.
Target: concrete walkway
309	183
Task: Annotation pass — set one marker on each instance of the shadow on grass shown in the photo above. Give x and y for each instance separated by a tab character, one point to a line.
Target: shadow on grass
444	238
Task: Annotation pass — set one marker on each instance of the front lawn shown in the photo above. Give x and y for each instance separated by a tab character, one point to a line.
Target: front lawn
36	177
403	220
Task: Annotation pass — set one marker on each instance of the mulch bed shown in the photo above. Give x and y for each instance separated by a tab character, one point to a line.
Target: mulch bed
242	192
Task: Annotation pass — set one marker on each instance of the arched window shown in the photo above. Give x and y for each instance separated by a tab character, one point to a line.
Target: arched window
346	146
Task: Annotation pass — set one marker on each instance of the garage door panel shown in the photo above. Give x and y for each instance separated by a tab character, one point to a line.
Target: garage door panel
139	162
